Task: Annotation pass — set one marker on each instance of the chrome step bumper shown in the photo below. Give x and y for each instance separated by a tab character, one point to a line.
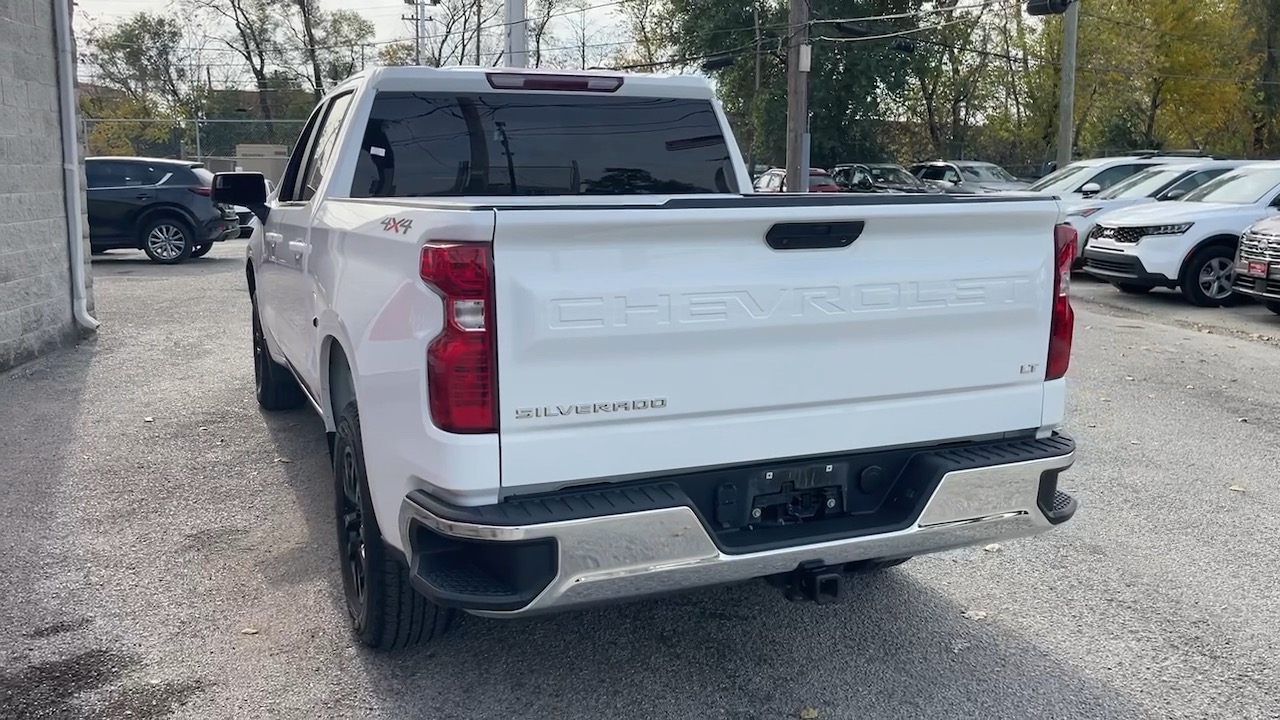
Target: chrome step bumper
629	555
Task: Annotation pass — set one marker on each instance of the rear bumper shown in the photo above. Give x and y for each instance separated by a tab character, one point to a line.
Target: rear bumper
611	545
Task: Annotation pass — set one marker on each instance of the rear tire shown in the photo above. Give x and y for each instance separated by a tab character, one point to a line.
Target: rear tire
273	384
1206	279
386	612
201	250
1132	289
1273	306
167	240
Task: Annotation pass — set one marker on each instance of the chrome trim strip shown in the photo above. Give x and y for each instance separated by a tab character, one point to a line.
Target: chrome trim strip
635	554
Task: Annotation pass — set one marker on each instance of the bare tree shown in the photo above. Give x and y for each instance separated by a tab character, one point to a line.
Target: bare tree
585	33
540	27
254	35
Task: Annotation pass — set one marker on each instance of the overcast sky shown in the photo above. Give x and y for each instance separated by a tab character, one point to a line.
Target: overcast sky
385	15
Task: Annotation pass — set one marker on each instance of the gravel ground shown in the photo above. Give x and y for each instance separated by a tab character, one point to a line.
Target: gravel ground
168	553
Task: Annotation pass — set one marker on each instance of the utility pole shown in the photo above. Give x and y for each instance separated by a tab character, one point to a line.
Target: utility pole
755	97
517	34
479	28
798	59
1067	85
419	19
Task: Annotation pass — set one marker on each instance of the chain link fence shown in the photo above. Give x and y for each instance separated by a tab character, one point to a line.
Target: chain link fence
222	144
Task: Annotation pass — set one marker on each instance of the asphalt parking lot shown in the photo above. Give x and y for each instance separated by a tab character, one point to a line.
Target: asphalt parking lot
168	552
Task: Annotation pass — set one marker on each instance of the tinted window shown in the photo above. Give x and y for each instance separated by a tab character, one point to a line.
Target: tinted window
326	139
1195	180
1242	187
442	144
293	169
939	172
122	173
1063	179
893	174
1144	183
1113	175
821	181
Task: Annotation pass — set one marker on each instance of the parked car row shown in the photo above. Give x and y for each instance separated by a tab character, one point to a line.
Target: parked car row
1184	229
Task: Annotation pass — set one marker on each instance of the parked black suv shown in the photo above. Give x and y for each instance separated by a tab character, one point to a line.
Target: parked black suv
162	207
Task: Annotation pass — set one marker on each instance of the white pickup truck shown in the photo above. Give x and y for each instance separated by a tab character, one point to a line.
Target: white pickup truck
565	357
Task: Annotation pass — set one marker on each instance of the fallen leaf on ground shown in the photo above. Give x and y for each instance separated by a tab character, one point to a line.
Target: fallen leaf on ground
148	419
249	631
1128	377
993	547
1242	419
1237	488
974	615
283	460
808	713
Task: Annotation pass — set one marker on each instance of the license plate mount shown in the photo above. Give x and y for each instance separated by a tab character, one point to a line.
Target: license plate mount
1257	268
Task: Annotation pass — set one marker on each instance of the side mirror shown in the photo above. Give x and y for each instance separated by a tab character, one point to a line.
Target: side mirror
1090	189
1174	194
247	189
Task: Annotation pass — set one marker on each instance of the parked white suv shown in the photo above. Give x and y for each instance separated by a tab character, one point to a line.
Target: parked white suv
1155	184
1188	243
1085	178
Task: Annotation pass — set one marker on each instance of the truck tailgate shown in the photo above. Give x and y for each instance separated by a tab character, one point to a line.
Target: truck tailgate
634	341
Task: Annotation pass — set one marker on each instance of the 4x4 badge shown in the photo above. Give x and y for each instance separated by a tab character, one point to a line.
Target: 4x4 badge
397	225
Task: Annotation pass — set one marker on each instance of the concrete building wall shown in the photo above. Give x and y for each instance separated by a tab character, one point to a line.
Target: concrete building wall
35	264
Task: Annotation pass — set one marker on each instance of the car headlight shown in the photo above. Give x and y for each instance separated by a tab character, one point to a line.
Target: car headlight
1168	229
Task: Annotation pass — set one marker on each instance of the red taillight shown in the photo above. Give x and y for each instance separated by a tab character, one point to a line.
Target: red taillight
545	81
462	364
1064	318
201	190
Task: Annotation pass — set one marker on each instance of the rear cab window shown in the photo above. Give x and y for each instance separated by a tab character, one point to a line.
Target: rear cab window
434	144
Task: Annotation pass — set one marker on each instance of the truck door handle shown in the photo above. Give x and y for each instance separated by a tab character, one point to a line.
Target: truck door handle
813	235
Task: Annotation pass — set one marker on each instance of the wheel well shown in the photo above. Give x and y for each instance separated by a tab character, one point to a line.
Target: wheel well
342	389
1228	241
170	211
248	272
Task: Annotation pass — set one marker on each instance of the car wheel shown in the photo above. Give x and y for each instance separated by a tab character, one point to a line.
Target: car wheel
386	612
1273	306
168	240
1131	288
1207	277
273	384
201	250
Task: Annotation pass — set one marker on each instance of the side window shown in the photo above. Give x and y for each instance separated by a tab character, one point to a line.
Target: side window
1111	176
292	169
148	174
97	174
322	148
1195	180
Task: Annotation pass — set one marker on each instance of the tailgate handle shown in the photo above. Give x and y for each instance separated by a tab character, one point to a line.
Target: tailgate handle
813	235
